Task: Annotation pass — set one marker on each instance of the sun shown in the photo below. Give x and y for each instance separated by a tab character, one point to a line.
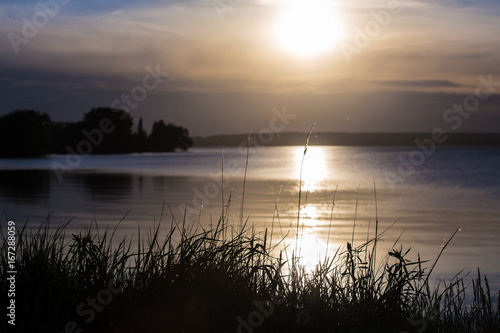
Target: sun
308	28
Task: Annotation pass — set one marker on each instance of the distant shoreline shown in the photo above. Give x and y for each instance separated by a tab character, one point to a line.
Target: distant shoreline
346	139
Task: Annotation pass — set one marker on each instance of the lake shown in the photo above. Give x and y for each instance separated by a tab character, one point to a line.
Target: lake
429	196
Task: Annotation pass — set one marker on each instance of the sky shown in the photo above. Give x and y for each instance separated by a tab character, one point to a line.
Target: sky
220	67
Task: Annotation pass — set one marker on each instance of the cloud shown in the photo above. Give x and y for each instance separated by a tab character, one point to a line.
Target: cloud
19	8
240	54
91	57
420	83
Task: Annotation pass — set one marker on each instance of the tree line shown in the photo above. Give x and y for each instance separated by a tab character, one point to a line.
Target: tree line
30	133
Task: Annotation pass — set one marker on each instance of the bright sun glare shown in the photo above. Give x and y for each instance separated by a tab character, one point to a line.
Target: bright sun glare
308	28
314	169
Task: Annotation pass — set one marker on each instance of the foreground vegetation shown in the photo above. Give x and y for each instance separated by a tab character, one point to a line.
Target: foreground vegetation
223	280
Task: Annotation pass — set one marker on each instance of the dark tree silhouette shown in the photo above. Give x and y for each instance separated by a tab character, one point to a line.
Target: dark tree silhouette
167	138
26	133
140	138
67	134
102	131
120	139
29	133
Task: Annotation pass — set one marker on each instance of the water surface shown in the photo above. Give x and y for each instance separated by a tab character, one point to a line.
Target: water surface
455	187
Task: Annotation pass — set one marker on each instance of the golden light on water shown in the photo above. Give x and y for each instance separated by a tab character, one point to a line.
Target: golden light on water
314	168
311	242
310	215
311	250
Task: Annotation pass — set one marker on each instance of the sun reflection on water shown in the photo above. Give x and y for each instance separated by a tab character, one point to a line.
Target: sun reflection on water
313	168
308	239
310	251
310	215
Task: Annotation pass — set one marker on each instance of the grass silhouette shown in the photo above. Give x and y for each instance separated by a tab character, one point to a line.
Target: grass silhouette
196	280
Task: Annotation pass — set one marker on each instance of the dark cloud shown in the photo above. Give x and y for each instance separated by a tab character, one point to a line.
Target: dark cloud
420	83
227	113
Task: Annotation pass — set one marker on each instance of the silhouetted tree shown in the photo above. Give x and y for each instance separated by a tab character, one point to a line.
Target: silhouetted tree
169	137
140	138
29	133
140	130
120	139
67	134
26	133
102	131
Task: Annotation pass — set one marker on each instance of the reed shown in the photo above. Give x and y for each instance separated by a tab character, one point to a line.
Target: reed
186	279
